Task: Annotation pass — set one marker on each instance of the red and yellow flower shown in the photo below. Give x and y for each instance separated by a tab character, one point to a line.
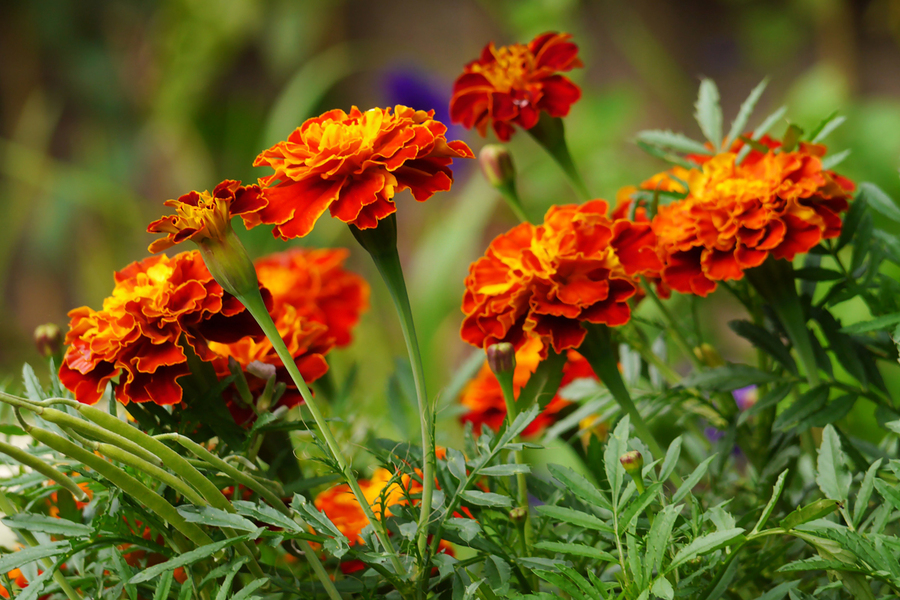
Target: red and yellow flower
484	397
735	216
353	164
511	85
158	308
543	281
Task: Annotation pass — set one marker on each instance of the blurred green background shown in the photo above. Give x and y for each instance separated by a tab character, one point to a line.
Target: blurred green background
109	108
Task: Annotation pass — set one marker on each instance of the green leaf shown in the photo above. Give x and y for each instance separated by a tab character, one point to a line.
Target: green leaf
865	492
15	560
851	221
771	398
672	141
250	588
636	507
467	528
497	572
225	587
685	488
810	512
33	389
47	524
882	323
544	383
576	550
616	446
581	487
188	558
672	455
830	162
747	106
12	430
817	274
779	591
770	505
887	492
728	378
164	585
36	585
658	538
833	477
879	201
765	340
666	156
574	517
709	112
834	411
826	127
845	349
663	589
215	517
804	406
594	593
703	545
486	498
791	138
504	470
267	514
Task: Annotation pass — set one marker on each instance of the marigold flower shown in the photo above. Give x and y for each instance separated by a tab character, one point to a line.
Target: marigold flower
157	304
513	84
484	397
341	506
353	164
544	280
735	216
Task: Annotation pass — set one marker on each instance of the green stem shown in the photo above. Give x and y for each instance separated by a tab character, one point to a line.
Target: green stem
597	348
9	510
44	469
672	324
550	133
509	192
254	303
505	379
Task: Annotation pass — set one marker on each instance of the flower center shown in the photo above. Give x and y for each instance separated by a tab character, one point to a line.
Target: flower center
511	68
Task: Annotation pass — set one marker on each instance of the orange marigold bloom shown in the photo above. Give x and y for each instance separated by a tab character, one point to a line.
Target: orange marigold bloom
513	84
353	164
202	215
341	506
544	280
157	304
484	397
735	216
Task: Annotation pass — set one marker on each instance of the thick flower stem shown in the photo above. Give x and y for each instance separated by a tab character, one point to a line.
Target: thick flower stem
597	348
505	379
551	134
774	281
7	508
509	192
254	303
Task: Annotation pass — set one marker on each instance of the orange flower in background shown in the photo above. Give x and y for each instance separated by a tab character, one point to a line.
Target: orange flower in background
53	500
484	397
352	165
513	84
21	582
545	280
202	215
157	304
736	216
340	505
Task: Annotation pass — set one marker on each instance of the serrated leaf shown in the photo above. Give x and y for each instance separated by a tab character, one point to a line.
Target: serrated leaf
164	585
574	517
709	112
658	538
779	591
747	106
865	492
15	560
214	517
187	558
486	498
576	550
673	453
672	141
497	572
833	478
807	404
888	493
728	378
879	201
504	470
47	524
881	323
765	340
773	499
834	411
703	545
267	514
250	588
663	589
810	512
581	487
466	528
637	506
685	488
36	585
33	389
616	446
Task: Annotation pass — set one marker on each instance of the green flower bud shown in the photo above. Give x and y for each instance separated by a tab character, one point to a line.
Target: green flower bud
497	165
518	514
501	358
633	462
48	338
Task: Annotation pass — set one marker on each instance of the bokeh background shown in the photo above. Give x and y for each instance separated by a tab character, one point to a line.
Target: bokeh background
109	108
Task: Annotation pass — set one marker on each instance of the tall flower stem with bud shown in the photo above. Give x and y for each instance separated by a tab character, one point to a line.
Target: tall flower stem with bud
502	360
381	244
550	133
498	168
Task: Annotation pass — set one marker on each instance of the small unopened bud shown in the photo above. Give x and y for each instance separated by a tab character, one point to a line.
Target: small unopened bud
501	357
497	165
633	462
709	355
518	514
48	338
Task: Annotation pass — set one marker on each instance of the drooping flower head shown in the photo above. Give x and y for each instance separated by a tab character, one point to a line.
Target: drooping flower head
353	164
483	396
511	85
315	305
543	281
735	216
157	305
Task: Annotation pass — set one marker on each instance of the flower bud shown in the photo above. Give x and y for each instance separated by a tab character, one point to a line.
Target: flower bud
518	514
709	355
48	338
501	357
497	165
633	462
